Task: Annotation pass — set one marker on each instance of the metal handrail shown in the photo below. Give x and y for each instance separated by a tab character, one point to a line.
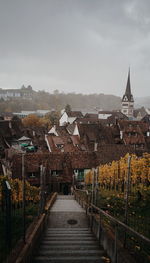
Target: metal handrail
118	222
80	190
112	219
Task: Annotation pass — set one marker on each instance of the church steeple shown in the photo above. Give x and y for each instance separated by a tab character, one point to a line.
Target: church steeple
127	99
128	94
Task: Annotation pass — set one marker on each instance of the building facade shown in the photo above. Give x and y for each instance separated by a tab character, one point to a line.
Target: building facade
24	93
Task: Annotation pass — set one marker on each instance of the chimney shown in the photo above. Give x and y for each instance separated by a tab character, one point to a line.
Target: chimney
121	135
95	146
10	125
116	120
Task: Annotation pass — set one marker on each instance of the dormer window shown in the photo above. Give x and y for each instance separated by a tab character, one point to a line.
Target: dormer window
59	146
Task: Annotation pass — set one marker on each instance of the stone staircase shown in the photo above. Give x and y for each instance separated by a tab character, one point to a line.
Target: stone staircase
70	245
68	238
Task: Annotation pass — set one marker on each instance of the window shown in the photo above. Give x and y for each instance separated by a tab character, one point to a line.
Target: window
54	173
33	175
59	146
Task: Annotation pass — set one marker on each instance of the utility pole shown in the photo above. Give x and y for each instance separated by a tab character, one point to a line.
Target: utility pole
42	199
127	193
23	200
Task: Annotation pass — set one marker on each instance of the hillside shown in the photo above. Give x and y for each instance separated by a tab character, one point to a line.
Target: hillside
57	101
45	100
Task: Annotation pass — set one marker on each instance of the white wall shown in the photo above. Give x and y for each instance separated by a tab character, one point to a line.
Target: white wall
63	119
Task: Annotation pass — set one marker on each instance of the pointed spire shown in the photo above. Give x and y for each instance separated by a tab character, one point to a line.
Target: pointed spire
128	89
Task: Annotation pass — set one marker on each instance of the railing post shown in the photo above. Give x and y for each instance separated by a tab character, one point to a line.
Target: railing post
100	226
91	217
116	240
86	203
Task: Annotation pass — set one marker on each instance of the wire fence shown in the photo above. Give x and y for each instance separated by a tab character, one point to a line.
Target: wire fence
16	215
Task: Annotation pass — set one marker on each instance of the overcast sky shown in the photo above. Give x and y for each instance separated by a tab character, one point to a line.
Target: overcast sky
75	45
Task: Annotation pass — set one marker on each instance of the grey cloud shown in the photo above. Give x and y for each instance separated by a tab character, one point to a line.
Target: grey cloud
74	45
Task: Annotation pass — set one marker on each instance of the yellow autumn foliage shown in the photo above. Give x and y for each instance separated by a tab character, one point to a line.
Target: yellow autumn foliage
31	192
116	172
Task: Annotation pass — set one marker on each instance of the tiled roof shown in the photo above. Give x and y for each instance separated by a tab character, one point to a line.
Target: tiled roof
75	114
91	115
9	129
57	140
70	143
61	130
70	128
146	118
142	112
134	132
69	161
75	139
96	133
87	120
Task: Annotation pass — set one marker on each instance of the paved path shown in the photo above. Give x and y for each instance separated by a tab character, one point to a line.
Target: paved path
64	209
66	204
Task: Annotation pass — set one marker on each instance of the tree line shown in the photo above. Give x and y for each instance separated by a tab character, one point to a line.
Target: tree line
58	100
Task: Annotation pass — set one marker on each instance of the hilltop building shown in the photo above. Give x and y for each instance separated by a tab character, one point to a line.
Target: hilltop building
128	101
23	93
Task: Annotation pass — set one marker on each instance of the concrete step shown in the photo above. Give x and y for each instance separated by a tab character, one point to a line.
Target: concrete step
68	230
56	234
69	238
71	247
72	253
81	259
71	229
66	242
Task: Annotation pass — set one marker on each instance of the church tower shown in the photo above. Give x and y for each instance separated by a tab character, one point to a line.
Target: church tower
127	100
